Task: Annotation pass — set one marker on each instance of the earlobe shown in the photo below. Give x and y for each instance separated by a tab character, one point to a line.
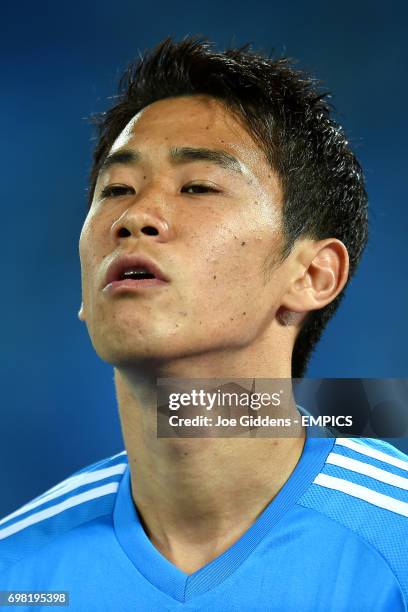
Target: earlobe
81	315
289	317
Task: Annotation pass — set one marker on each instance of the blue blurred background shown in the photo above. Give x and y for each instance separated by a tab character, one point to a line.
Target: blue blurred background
59	63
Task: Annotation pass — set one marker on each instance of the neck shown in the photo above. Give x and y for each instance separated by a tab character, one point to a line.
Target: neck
197	496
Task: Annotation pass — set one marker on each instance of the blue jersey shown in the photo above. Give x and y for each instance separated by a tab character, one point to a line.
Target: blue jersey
333	539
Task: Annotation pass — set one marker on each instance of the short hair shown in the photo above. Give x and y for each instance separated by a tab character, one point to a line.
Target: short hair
291	120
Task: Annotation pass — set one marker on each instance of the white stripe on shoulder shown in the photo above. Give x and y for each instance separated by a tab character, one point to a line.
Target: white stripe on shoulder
372	497
76	500
372	452
90	468
368	470
78	477
67	485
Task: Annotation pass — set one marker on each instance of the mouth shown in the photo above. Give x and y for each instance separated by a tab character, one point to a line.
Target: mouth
133	272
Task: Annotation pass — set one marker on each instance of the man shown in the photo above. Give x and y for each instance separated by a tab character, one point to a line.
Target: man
227	214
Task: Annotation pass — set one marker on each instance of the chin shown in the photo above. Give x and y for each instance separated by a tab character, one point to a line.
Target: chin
123	350
122	354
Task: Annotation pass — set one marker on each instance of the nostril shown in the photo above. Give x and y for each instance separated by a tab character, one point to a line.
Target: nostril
123	232
150	231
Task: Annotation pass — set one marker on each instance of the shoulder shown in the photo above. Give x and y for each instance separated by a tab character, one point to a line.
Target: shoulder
363	486
363	482
79	499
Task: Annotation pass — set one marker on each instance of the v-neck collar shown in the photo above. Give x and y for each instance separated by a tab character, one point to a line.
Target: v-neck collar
168	578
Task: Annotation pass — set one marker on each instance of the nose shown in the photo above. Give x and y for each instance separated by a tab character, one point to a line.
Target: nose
136	223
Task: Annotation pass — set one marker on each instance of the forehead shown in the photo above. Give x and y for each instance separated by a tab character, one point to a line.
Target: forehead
192	121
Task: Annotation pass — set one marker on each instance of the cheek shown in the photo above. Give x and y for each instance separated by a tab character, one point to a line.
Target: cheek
238	253
85	239
92	246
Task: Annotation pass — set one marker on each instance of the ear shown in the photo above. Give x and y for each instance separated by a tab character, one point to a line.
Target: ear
81	314
320	271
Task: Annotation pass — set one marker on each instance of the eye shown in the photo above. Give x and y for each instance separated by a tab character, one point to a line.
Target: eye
198	188
114	191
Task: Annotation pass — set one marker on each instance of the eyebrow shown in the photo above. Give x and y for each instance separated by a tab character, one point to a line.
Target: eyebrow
177	155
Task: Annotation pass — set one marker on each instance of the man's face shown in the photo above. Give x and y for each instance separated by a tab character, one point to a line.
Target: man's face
212	225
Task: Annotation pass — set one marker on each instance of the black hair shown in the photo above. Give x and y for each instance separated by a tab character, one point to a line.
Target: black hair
289	118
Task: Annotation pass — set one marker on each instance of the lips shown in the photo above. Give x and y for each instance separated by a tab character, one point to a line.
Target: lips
127	263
